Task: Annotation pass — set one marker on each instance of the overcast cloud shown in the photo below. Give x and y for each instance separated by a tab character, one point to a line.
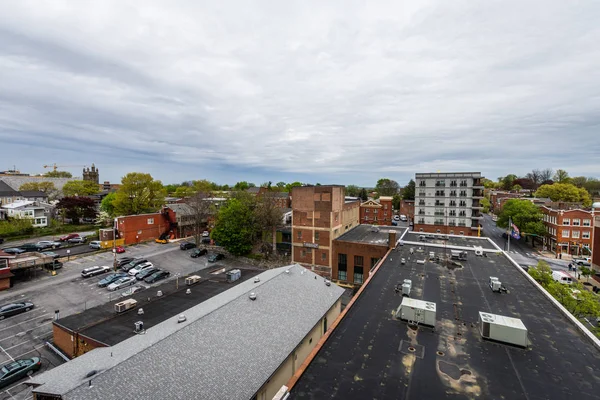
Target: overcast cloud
331	92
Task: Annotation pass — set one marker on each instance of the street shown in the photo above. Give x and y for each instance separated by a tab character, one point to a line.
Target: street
16	243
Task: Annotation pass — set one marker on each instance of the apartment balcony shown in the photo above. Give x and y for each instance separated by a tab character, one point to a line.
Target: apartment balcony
477	207
421	221
421	213
438	214
477	217
462	224
477	196
421	203
438	222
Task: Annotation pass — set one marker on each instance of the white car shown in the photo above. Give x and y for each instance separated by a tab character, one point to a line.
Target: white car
139	268
132	290
205	234
403	218
121	283
396	218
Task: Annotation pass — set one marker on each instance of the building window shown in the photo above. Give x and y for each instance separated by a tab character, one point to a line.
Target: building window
575	235
565	233
342	266
385	206
452	232
323	256
358	275
302	253
585	234
358	261
461	232
299	234
576	222
316	236
374	261
566	221
587	222
150	221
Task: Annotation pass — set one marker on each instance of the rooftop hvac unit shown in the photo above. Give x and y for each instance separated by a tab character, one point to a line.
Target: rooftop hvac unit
139	326
502	329
494	284
420	261
406	289
478	250
458	255
431	254
190	280
233	275
125	305
417	311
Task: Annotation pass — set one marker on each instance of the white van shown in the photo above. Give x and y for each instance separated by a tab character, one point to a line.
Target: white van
562	277
403	218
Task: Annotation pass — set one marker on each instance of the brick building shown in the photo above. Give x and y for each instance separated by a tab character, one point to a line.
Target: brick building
596	240
569	228
143	227
377	212
320	214
357	251
407	207
497	199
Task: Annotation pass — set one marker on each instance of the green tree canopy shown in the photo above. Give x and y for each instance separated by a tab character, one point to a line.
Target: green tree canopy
76	208
524	214
243	185
352	190
80	188
235	228
58	174
386	187
107	204
485	203
561	176
204	186
408	192
565	192
46	187
396	199
139	193
290	186
364	196
506	182
184	191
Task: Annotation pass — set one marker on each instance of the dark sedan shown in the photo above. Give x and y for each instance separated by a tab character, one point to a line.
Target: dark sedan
215	257
110	279
187	245
14	309
157	276
198	253
18	369
13	250
145	273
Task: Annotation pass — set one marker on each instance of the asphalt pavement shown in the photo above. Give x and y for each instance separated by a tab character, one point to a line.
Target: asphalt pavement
16	243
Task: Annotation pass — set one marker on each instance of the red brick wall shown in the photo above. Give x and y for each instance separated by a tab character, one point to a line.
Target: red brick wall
407	207
139	228
351	249
62	340
573	245
596	254
466	230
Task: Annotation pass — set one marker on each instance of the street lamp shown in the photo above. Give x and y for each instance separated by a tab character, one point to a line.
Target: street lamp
115	244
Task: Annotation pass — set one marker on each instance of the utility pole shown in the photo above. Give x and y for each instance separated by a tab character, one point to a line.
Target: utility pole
509	233
115	245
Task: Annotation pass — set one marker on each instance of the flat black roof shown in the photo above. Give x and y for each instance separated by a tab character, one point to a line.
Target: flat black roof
372	234
102	324
452	240
367	356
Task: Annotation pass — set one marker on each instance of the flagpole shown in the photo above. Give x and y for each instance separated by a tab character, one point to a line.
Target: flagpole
510	232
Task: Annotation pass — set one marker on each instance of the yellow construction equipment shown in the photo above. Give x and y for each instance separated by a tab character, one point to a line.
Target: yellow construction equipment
54	166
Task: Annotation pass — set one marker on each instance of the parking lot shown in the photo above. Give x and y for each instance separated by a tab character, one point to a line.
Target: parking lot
25	335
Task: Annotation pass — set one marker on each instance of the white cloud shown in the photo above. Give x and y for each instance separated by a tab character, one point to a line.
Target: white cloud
342	92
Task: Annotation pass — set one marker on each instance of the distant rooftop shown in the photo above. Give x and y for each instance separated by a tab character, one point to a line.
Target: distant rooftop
372	234
448	175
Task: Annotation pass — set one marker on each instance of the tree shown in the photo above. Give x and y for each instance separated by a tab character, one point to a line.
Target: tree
171	188
534	177
104	219
516	188
243	185
201	209
386	187
525	183
396	200
58	174
184	191
45	187
542	273
80	188
107	204
490	184
203	186
485	203
408	192
281	186
592	186
139	193
290	186
268	216
565	192
524	214
235	227
364	196
561	176
546	175
75	208
586	272
579	181
506	182
352	190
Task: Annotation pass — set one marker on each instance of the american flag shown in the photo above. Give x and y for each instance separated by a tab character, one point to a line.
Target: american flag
515	232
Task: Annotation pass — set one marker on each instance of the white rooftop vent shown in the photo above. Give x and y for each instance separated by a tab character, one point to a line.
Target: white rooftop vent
478	250
159	293
256	280
327	282
252	296
189	291
141	311
181	318
287	271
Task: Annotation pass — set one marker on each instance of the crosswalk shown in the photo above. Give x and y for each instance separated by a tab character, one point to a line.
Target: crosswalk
530	255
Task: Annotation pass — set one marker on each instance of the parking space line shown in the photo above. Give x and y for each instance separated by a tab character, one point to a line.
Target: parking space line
12	326
16	345
9	356
36	348
30	330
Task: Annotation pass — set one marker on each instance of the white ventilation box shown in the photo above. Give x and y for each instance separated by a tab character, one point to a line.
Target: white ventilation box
406	289
503	329
190	280
494	284
419	311
125	305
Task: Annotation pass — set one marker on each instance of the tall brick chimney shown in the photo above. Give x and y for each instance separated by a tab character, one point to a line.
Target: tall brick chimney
392	239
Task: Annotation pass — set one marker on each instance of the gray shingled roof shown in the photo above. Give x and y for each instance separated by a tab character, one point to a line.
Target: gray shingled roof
227	349
6	190
181	208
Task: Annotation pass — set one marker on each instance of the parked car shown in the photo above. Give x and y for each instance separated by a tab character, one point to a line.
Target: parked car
93	271
124	260
13	250
95	244
50	254
121	283
396	218
111	278
206	234
1	240
215	257
9	310
139	268
146	272
132	290
133	264
27	247
187	245
206	240
18	369
119	249
586	262
76	240
69	236
157	276
198	252
48	244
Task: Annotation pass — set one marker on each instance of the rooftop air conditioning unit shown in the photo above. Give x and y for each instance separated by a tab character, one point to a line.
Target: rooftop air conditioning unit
420	261
417	311
503	329
190	280
233	275
125	305
406	289
139	326
494	284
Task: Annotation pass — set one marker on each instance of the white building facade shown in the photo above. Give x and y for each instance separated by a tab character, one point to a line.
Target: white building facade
27	209
448	203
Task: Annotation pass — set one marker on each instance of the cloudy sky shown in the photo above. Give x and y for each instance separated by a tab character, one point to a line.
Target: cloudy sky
339	92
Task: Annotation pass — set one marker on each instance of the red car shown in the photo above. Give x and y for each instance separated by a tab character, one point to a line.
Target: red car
120	249
69	236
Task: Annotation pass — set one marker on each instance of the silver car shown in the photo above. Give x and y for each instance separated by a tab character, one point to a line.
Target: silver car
122	283
48	244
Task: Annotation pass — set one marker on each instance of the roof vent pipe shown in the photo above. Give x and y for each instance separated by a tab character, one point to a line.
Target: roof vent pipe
252	296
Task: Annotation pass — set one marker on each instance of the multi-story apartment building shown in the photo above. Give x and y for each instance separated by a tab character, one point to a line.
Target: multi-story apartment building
319	215
448	203
569	227
377	212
